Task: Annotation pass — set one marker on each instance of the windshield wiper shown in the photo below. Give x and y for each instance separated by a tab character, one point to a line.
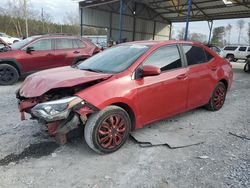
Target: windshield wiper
92	70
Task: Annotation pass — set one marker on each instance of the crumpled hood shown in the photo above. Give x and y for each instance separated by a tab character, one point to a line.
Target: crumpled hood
39	83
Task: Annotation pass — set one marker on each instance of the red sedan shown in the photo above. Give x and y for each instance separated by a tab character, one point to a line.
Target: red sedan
125	88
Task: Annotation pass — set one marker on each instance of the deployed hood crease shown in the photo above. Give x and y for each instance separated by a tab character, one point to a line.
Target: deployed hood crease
39	83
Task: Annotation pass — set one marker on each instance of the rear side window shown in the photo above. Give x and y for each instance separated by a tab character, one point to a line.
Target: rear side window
230	48
194	54
81	44
209	56
242	49
63	43
166	58
78	44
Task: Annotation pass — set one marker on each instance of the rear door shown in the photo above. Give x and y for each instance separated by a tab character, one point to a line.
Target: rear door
41	58
241	53
201	75
67	50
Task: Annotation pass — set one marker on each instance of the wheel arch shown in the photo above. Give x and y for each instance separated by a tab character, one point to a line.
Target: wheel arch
225	82
230	54
130	112
12	63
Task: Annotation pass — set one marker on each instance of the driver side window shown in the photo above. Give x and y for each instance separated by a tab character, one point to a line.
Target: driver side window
41	45
166	58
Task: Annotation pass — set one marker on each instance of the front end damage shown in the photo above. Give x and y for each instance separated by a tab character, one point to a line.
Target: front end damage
59	113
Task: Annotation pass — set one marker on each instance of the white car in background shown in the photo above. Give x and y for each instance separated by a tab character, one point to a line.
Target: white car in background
217	49
8	39
236	52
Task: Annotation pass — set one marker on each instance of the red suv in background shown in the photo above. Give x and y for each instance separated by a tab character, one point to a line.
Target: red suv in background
42	52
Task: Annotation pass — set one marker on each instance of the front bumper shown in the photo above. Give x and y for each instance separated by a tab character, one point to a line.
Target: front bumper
58	127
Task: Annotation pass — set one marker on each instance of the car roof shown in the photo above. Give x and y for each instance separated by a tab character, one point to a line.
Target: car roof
163	42
232	45
56	36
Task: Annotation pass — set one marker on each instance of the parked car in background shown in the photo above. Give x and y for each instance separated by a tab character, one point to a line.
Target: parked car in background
8	39
247	64
3	45
236	52
125	88
216	49
43	52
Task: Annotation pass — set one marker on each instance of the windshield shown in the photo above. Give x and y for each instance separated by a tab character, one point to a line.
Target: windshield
20	44
114	60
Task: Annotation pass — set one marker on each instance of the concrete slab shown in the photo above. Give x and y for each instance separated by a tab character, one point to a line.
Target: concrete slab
171	133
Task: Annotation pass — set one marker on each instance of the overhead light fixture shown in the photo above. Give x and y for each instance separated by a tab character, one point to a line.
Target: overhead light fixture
228	2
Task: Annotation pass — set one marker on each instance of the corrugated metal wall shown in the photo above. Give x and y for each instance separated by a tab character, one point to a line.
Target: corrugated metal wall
144	28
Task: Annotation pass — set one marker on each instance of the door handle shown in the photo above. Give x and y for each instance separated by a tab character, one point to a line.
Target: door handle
76	52
182	76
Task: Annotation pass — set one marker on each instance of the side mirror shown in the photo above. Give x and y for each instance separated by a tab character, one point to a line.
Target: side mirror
148	70
30	49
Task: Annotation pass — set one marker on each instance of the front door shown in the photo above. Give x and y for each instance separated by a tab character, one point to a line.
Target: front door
41	58
166	94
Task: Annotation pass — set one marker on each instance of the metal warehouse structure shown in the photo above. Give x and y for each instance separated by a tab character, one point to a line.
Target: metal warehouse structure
152	19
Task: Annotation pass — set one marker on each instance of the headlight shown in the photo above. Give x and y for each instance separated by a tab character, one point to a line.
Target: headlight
55	110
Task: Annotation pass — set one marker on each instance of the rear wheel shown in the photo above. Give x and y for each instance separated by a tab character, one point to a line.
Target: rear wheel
106	131
218	98
8	74
247	67
230	57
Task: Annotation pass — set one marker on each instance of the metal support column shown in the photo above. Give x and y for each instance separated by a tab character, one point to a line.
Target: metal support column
188	16
154	30
81	21
121	21
210	25
134	21
170	32
110	26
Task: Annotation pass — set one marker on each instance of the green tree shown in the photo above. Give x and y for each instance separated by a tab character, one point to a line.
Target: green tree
218	33
240	24
198	37
180	35
228	30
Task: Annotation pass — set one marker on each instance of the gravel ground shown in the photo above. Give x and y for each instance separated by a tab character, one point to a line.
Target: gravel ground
29	158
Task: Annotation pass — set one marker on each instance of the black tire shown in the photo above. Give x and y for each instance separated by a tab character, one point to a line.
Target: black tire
247	67
218	98
230	57
8	74
98	122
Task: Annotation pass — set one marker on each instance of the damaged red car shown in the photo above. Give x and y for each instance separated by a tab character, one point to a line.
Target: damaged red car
125	88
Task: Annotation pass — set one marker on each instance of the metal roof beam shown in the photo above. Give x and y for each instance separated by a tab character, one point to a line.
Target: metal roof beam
203	9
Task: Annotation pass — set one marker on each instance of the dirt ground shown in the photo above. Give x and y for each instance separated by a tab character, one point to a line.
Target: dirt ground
29	158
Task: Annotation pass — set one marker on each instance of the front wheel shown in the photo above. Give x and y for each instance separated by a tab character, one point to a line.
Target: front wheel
8	74
107	130
218	98
247	67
